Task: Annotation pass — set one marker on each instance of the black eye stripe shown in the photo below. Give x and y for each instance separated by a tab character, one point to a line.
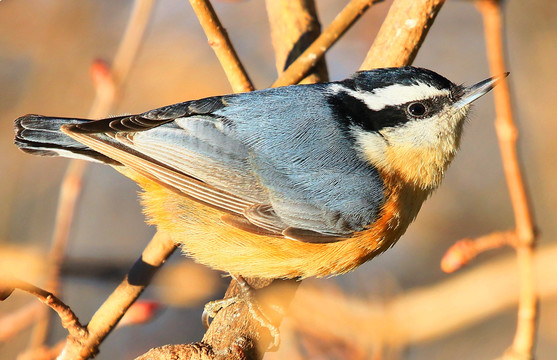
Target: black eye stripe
353	111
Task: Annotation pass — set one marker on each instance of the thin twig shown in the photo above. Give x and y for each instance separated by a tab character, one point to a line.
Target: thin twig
402	33
465	250
524	340
129	45
68	318
111	311
342	22
67	201
222	46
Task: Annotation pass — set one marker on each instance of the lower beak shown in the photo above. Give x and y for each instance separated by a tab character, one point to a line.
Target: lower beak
478	90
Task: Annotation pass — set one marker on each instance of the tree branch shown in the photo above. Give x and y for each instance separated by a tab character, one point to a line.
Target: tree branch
402	33
68	318
112	310
294	27
222	46
524	340
309	58
465	250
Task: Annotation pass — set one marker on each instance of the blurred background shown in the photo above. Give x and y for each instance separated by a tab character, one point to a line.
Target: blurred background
46	51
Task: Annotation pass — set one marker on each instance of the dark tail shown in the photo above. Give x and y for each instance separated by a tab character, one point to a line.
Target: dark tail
41	135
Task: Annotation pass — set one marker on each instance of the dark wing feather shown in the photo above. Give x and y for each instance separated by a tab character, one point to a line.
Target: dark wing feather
177	181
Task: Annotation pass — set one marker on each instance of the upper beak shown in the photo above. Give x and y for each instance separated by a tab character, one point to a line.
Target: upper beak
478	90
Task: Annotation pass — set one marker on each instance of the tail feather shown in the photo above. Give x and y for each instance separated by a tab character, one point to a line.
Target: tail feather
41	135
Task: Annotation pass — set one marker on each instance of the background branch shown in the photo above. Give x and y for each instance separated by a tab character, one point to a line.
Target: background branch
507	134
402	33
68	318
222	46
295	29
111	311
298	69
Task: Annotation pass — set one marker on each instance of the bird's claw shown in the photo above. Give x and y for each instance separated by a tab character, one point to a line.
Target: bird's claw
246	296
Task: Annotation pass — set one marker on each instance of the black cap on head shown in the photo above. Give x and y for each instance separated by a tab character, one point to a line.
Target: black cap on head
407	75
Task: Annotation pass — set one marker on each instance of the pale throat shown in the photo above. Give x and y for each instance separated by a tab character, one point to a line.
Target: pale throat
418	153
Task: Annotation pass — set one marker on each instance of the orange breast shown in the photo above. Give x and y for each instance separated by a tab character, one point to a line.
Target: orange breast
210	241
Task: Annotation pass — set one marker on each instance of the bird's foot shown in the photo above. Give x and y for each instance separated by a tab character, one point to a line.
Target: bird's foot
246	296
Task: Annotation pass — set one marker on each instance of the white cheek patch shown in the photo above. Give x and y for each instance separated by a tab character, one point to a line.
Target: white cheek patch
371	145
424	132
392	95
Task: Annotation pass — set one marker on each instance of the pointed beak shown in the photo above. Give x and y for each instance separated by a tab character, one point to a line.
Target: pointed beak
478	90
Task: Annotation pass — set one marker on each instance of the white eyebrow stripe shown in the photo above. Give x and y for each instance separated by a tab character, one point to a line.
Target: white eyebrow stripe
391	95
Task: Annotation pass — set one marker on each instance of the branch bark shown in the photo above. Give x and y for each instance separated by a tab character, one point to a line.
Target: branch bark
310	57
402	33
222	46
294	27
507	134
112	310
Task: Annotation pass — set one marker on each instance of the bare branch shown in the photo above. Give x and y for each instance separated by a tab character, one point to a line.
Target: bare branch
68	319
465	250
222	46
309	58
108	315
294	26
402	33
70	189
195	351
523	344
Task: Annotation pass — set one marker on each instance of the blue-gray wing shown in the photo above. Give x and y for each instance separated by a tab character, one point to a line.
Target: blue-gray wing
269	159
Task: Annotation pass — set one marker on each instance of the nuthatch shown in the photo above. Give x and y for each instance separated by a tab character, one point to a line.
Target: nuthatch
297	181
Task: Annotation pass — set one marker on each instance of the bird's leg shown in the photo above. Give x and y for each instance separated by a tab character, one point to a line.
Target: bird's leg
246	296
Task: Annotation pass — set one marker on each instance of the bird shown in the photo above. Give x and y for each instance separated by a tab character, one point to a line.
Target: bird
289	182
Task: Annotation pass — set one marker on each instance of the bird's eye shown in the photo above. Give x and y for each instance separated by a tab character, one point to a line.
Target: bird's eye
417	109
